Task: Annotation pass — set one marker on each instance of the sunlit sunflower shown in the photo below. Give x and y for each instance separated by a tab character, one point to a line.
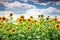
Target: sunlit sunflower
55	19
20	20
28	28
57	26
13	30
3	18
35	21
11	14
0	18
31	16
29	20
22	17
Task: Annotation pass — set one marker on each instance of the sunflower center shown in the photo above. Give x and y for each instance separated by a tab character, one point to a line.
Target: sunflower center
28	19
55	19
28	27
3	18
41	15
57	26
38	15
31	17
11	14
35	20
20	19
13	30
0	18
47	19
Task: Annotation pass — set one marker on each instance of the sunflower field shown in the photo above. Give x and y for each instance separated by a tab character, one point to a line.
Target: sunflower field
30	28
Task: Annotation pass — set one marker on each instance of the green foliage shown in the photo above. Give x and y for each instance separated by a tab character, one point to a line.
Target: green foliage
42	30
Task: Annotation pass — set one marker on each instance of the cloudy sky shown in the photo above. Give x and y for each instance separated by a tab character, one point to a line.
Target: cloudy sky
30	7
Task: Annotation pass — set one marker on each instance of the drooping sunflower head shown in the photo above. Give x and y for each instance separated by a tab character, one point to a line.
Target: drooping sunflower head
29	20
57	26
11	14
22	17
31	17
38	15
42	15
28	28
13	30
55	19
3	18
47	17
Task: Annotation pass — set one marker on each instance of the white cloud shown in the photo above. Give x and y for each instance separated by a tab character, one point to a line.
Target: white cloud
58	3
49	11
10	5
32	10
5	13
25	0
17	6
46	3
41	3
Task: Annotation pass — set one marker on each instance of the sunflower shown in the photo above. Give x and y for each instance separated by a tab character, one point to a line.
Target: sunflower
3	18
57	26
55	19
13	30
31	16
20	20
29	20
22	17
11	14
28	28
0	18
35	21
41	15
38	15
47	18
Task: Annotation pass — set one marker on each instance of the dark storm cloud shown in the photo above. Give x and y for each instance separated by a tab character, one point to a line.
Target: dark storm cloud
44	1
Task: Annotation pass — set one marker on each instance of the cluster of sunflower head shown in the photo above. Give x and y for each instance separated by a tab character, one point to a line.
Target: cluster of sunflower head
55	20
22	19
29	23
